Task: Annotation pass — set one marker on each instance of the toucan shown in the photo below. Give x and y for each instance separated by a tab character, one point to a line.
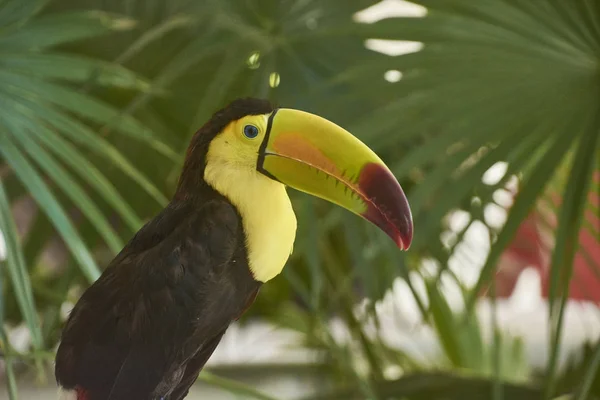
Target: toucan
145	329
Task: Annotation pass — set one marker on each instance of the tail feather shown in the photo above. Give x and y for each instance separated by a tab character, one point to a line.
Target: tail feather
73	394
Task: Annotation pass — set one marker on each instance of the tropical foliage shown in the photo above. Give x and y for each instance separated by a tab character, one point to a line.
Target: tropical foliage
98	100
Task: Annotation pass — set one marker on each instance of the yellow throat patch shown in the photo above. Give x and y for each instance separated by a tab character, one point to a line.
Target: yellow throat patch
267	216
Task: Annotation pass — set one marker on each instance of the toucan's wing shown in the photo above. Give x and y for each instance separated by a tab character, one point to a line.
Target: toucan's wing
166	295
193	368
195	365
139	373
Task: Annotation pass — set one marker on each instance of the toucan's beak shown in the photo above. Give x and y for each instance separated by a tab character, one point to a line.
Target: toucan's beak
316	156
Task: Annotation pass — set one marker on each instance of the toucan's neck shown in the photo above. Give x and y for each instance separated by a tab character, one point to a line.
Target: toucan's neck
191	182
267	216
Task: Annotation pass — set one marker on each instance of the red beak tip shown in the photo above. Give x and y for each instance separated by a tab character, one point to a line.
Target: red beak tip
404	242
388	206
400	244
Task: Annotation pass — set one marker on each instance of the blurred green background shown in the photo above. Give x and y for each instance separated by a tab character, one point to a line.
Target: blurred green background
487	111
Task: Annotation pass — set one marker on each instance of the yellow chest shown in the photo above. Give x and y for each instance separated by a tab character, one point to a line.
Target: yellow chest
267	216
270	227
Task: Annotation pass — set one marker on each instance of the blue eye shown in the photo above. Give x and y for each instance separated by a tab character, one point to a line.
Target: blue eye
250	131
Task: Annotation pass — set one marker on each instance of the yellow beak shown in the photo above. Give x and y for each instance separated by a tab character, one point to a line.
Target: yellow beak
316	156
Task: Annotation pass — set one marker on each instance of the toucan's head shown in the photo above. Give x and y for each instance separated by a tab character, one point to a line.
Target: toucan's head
251	146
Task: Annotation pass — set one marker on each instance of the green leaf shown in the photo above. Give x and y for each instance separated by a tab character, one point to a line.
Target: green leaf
11	381
71	156
84	106
152	35
437	386
443	322
192	54
17	271
48	203
83	135
532	187
567	237
591	373
71	187
53	29
73	68
18	11
232	386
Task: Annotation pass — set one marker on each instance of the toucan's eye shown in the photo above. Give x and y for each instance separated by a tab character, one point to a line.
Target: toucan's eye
250	131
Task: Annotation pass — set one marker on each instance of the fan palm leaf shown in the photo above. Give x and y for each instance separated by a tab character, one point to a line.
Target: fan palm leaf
48	129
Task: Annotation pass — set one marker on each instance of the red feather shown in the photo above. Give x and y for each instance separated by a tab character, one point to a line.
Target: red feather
82	394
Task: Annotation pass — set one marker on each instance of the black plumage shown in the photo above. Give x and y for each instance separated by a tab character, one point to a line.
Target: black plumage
147	326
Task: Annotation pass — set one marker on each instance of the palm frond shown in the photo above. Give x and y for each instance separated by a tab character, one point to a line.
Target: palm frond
17	272
40	110
433	386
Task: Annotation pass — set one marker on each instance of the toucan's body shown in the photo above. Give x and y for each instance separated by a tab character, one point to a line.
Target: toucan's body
156	315
146	328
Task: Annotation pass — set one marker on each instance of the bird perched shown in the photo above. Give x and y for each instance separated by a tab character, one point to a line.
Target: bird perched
147	326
